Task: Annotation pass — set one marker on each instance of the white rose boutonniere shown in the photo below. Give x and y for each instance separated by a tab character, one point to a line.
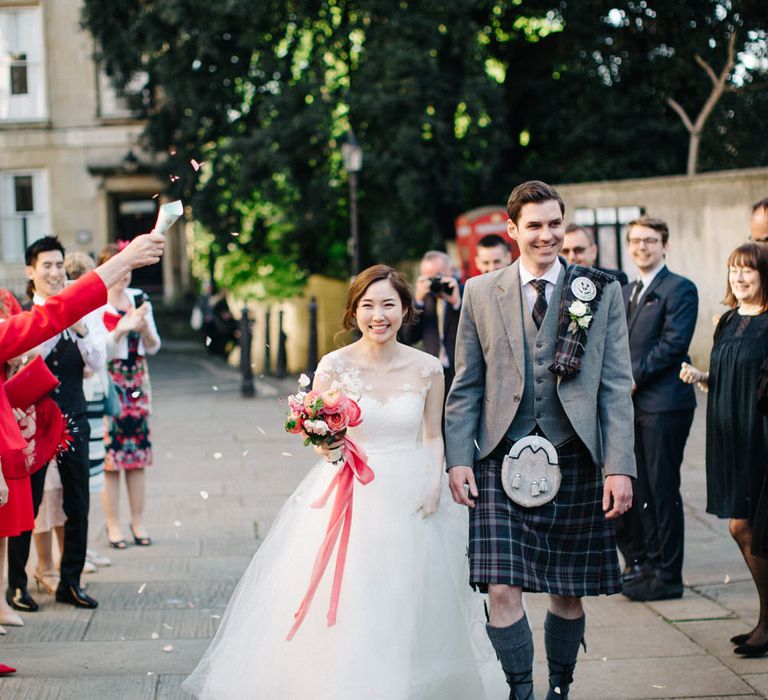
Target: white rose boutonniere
581	316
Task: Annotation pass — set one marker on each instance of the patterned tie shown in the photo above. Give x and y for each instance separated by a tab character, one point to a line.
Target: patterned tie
540	307
635	296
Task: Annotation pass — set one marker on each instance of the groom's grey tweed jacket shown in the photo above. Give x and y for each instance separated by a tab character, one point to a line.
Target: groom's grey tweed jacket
490	374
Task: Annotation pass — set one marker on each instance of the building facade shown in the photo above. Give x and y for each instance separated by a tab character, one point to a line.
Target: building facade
70	163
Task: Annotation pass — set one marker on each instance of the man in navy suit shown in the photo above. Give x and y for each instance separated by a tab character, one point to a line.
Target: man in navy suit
661	317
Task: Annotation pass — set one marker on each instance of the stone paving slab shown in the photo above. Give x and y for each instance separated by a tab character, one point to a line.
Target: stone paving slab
119	658
80	688
163	568
162	595
53	623
714	638
692	606
154	624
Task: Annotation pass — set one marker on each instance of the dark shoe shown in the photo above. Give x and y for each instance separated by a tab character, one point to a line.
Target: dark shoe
116	544
74	595
635	571
141	541
740	638
648	589
751	649
19	599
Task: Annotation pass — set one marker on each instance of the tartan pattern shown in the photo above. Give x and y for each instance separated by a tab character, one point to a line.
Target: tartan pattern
565	547
570	346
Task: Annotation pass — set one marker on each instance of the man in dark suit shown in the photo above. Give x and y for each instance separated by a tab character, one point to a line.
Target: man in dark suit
579	248
437	297
661	317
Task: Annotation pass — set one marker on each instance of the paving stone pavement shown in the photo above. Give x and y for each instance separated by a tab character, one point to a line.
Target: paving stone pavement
223	467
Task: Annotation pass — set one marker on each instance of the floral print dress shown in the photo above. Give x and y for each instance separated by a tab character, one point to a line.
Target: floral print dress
126	438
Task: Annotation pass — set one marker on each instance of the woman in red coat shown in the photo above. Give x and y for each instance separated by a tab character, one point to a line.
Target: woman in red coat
23	331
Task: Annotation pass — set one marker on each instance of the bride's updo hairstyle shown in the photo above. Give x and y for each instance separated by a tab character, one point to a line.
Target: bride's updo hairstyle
365	279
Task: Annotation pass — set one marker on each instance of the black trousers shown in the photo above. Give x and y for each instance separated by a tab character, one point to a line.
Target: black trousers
74	470
653	531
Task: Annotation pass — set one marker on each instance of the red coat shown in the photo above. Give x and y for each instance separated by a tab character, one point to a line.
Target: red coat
26	330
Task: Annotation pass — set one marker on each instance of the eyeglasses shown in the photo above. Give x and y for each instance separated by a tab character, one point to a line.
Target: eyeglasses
577	250
648	241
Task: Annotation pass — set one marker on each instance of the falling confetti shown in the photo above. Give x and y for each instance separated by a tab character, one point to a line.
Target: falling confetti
215	388
168	627
177	523
168	647
173	151
207	341
245	453
135	394
217	455
155	196
150	673
727	579
261	430
155	635
216	617
235	233
174	178
204	495
141	588
196	165
286	454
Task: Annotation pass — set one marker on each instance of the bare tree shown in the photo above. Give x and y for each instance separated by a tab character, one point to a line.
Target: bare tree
719	87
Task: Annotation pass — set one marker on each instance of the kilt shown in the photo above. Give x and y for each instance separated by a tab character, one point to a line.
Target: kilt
565	547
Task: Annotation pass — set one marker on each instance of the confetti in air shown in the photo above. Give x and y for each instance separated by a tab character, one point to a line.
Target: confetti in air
245	453
173	151
286	454
177	523
155	196
235	233
261	430
174	178
217	455
207	341
204	495
196	165
135	394
727	579
215	388
141	588
155	635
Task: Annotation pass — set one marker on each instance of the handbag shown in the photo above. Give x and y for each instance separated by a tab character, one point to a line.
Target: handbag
112	404
530	473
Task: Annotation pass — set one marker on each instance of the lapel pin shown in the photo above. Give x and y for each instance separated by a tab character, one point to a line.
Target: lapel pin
584	289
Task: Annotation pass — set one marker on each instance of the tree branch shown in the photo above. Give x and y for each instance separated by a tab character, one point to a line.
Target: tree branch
707	68
681	113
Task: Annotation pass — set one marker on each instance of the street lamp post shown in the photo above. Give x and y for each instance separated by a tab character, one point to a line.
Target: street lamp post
352	154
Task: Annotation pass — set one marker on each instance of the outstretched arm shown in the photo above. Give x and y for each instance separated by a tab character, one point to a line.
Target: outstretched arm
433	446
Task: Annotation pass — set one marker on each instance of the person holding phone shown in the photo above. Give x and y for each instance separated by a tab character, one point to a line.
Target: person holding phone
132	336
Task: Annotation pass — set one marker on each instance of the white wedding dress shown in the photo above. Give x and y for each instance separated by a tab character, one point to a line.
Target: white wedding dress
408	626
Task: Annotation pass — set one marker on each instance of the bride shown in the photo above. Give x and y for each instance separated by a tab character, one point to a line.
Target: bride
408	626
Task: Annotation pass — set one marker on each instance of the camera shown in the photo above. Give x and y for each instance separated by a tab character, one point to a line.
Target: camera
437	286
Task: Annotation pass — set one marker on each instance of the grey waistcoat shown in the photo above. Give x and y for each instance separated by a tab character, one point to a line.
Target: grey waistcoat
540	404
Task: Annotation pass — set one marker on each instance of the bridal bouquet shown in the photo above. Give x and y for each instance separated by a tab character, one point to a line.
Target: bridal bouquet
321	418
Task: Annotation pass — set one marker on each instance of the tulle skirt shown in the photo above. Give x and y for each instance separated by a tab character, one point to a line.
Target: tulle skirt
408	625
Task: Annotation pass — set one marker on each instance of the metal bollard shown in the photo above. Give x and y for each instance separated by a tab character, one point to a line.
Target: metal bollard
267	342
282	359
247	387
312	353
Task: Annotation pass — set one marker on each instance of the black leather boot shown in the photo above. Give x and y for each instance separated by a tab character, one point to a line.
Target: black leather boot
562	639
514	647
74	595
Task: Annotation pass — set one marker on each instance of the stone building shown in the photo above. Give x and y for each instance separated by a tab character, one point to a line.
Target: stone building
70	164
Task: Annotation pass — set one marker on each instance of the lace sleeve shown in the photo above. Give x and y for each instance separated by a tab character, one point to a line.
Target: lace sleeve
431	368
326	373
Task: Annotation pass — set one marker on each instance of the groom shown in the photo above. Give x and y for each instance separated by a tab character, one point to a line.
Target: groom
525	366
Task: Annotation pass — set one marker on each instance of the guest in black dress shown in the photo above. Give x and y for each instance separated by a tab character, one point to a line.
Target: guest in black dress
737	432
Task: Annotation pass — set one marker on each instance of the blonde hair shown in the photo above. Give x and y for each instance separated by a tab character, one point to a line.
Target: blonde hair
77	264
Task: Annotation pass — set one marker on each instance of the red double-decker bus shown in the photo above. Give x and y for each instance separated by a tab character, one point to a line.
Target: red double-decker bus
471	226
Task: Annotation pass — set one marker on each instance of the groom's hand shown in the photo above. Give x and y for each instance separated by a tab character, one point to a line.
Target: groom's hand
459	478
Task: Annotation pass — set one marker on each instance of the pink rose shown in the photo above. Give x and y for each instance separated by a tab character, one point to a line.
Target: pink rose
336	422
310	400
294	424
352	412
333	401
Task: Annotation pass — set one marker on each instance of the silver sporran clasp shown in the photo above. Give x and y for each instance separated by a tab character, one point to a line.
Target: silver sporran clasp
530	473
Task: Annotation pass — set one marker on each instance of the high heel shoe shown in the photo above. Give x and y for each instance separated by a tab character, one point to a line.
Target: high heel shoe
141	541
46	581
115	544
740	638
11	619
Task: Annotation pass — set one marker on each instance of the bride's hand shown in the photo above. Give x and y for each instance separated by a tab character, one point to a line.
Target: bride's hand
430	502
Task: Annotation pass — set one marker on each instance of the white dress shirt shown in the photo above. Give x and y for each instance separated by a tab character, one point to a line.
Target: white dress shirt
550	277
92	349
647	278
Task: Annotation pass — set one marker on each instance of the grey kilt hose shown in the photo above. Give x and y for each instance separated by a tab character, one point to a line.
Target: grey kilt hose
565	547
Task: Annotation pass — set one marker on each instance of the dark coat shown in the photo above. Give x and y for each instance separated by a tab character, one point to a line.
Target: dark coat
660	332
425	329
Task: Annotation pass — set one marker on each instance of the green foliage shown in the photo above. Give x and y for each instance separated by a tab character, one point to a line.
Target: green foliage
454	102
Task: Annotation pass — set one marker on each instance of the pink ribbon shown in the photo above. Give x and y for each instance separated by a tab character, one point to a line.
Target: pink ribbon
339	524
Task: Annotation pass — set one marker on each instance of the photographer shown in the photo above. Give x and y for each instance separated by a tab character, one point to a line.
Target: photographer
437	296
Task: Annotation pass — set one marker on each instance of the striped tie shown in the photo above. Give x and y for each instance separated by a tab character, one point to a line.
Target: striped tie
540	307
